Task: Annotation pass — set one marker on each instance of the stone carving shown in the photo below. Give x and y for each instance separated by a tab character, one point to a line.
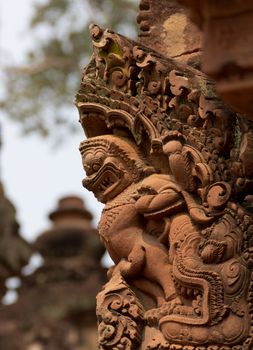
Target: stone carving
227	43
120	316
171	164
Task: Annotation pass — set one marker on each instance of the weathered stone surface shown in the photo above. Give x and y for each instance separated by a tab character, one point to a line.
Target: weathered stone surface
227	48
165	27
170	161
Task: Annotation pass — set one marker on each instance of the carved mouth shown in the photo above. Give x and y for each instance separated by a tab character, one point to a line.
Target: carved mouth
104	182
192	298
108	183
201	293
186	291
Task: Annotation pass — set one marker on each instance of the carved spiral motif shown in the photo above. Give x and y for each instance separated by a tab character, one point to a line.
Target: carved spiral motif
154	87
119	315
119	78
218	194
234	277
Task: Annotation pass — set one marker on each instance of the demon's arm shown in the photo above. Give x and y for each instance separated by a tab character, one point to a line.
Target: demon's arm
158	197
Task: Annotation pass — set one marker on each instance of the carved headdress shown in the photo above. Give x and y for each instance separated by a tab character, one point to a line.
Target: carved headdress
123	149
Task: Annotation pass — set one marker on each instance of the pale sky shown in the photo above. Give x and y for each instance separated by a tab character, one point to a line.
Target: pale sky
35	176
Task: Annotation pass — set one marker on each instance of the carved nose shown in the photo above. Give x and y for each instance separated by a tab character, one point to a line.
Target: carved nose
85	182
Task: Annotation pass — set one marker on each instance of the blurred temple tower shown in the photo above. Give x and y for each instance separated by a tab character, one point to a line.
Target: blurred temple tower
15	252
56	305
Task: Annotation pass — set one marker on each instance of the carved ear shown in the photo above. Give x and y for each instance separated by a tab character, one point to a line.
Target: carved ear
181	165
217	195
196	211
203	172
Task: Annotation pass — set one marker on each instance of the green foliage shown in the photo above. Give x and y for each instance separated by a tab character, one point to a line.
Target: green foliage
40	94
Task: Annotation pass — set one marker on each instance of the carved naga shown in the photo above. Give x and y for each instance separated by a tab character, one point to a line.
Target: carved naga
171	164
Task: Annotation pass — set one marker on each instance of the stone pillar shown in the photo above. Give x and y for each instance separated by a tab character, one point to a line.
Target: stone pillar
227	48
172	164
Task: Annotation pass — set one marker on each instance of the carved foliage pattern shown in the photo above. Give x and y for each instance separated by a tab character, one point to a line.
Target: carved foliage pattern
119	315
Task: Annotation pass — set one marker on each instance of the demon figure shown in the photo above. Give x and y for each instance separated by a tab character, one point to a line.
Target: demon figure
119	178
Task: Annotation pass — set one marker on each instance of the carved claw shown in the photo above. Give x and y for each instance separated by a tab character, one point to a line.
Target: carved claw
153	316
196	211
110	272
121	268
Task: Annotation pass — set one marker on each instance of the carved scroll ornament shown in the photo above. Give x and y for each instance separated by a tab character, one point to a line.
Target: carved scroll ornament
171	164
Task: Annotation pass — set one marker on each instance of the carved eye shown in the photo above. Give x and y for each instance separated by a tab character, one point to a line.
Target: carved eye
87	169
96	166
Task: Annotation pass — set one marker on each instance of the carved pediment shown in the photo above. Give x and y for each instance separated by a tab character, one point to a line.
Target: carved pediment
126	85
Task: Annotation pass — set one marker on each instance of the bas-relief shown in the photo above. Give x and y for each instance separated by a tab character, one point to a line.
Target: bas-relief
173	166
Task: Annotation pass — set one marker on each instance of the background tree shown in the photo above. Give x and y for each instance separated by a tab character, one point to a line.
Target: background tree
39	94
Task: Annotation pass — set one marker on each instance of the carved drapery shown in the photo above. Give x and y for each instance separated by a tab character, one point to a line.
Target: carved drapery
172	164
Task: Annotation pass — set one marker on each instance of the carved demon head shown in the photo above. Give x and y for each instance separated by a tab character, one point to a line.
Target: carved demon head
111	165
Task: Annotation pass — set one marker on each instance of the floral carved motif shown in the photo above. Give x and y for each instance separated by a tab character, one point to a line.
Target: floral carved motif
120	316
171	164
